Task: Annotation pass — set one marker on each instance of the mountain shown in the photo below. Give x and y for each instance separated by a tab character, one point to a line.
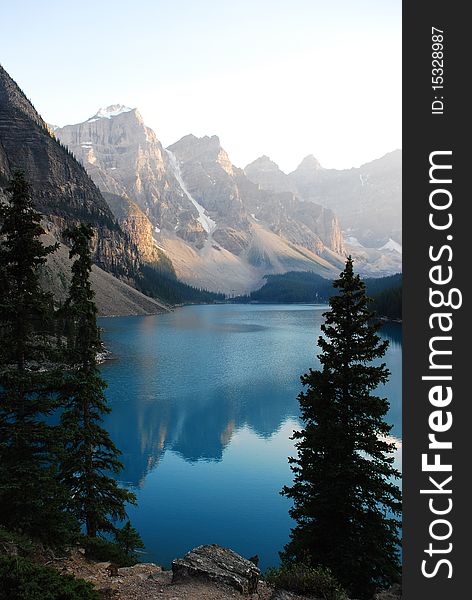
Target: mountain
367	199
268	175
113	296
125	158
306	175
65	195
219	230
136	223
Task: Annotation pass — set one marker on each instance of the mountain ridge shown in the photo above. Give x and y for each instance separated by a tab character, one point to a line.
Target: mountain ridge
201	207
367	200
65	195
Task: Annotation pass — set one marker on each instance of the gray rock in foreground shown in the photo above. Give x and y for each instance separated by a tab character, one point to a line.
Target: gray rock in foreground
219	565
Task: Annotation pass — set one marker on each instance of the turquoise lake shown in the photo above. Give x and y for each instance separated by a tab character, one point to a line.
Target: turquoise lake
204	403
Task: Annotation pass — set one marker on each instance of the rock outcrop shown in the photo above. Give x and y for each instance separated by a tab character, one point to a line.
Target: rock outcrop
267	174
125	158
62	190
210	178
284	595
137	225
216	564
146	581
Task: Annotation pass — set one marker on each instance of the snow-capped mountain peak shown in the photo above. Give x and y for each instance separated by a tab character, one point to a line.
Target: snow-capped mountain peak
110	111
393	246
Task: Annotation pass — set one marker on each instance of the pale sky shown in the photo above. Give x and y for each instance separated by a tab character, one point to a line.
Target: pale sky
283	78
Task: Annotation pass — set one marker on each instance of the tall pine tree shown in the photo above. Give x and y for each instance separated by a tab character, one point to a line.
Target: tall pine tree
90	455
31	500
345	501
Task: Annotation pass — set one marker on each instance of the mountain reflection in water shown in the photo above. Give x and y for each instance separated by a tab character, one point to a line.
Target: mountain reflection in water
215	388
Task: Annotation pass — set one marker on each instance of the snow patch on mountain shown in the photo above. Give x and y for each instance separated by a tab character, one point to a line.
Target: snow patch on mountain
393	246
110	111
206	222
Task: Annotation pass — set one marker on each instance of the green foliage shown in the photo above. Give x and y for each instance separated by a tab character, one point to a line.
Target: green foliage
31	498
24	307
293	287
129	540
89	455
51	476
376	285
164	265
21	579
23	544
345	503
83	340
388	303
163	285
303	579
308	287
97	548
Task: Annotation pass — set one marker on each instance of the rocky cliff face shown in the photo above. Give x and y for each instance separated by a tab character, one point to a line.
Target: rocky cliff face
125	158
269	176
201	208
65	195
211	178
306	175
237	204
62	190
367	200
138	226
308	225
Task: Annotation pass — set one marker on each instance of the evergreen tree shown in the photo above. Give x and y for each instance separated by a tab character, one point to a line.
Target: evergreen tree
30	498
90	455
129	540
345	503
24	306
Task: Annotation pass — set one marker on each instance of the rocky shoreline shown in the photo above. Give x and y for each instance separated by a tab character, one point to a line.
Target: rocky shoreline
206	573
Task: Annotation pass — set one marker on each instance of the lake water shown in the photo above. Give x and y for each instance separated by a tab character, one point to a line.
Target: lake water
204	402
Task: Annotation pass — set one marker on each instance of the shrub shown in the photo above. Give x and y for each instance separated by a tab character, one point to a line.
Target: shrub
103	550
21	543
303	579
23	580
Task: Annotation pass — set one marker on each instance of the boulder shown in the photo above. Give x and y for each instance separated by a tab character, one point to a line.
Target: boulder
216	564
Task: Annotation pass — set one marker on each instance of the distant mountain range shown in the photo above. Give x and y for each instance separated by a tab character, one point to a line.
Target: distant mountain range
219	229
65	195
224	228
186	211
367	199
